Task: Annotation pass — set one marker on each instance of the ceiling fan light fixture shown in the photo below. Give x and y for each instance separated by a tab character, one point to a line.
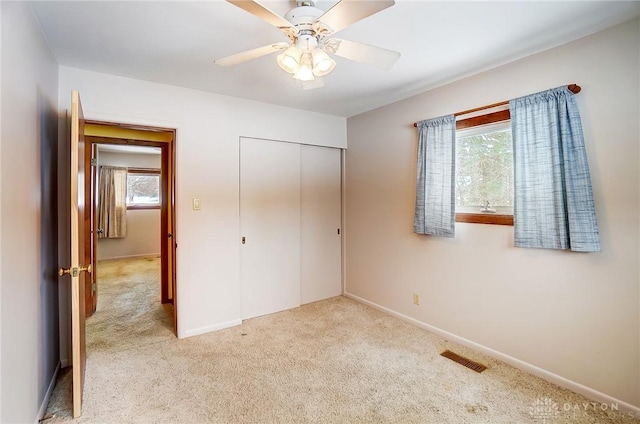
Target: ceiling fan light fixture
323	64
289	60
305	71
309	52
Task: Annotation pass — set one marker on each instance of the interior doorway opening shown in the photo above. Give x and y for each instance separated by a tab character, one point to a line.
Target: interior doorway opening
147	155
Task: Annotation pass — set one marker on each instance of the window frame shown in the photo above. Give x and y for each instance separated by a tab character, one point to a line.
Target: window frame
146	171
479	217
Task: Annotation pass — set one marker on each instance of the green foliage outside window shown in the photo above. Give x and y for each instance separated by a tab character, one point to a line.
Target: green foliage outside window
484	169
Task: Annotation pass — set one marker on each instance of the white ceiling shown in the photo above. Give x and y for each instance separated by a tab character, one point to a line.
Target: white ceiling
176	42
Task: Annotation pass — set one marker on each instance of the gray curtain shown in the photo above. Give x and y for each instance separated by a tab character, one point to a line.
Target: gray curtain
553	204
112	202
435	196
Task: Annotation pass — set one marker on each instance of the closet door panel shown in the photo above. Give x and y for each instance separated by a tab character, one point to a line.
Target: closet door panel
321	209
270	226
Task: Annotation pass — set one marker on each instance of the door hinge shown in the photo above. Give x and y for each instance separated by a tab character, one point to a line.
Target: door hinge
94	161
93	287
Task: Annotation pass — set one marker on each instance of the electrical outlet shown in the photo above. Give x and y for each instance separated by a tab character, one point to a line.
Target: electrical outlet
416	298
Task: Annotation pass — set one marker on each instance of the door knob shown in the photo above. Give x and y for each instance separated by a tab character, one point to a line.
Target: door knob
74	272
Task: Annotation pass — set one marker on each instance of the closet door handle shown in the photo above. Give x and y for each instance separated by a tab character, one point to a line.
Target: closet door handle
244	240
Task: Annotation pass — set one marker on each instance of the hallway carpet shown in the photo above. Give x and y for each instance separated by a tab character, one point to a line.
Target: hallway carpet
334	361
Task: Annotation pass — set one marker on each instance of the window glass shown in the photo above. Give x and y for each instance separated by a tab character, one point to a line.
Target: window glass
484	169
143	189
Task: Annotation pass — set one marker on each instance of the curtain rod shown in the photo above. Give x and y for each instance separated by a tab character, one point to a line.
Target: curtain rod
574	88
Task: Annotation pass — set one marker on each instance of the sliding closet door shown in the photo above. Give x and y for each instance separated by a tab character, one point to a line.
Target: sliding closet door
270	226
321	244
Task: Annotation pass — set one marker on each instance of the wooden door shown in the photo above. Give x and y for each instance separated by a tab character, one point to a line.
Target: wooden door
270	226
171	228
78	266
321	218
93	208
90	225
167	238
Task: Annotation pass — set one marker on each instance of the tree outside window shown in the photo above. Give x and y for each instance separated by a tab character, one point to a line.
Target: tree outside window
484	169
143	189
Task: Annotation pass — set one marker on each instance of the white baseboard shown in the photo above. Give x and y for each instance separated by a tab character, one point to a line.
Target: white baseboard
142	255
517	363
47	395
209	328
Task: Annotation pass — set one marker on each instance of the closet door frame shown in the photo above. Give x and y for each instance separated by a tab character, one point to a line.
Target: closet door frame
261	274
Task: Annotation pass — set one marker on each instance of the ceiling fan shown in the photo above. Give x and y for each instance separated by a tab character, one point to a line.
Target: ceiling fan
309	29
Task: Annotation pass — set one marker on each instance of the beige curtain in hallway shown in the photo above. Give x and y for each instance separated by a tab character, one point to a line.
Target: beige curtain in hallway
112	202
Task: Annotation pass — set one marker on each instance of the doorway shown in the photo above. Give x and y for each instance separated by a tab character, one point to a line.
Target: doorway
106	138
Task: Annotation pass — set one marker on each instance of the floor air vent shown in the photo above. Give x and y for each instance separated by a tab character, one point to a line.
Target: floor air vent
464	361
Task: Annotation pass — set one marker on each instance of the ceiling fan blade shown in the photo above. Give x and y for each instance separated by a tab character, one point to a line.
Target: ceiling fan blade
250	54
363	53
265	14
347	12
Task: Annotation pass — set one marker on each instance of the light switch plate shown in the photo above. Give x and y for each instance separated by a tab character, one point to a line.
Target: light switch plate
196	204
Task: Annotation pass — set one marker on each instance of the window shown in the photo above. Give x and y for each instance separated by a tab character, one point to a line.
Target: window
484	170
143	188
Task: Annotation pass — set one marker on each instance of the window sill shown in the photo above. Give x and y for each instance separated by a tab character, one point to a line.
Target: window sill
485	218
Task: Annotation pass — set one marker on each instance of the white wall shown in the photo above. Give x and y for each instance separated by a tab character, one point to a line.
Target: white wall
28	230
143	225
208	130
572	315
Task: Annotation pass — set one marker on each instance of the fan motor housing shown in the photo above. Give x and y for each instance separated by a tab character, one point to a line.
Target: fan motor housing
303	17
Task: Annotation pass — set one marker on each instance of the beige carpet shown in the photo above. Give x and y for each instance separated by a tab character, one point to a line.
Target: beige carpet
334	361
129	312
